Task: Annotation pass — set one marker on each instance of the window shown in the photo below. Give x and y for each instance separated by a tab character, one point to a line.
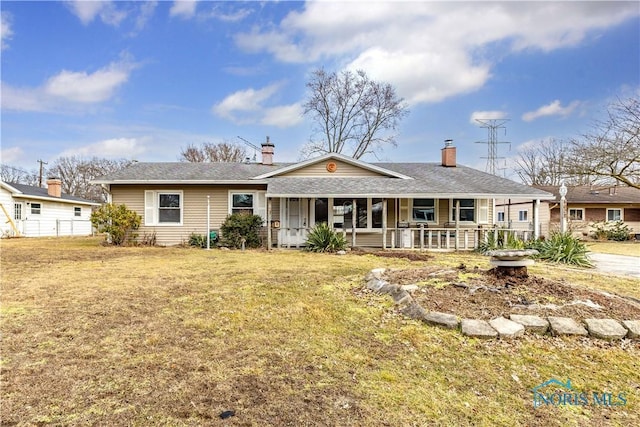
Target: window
424	210
343	213
77	211
36	208
242	202
576	214
376	213
169	208
500	216
322	211
17	211
523	216
614	214
162	207
467	210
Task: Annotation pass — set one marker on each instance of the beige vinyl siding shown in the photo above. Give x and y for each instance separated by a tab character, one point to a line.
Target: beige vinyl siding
194	208
320	170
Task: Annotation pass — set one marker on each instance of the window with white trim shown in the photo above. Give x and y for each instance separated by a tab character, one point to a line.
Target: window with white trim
17	211
523	216
368	213
423	210
163	207
614	215
77	211
36	208
576	214
500	216
467	210
242	203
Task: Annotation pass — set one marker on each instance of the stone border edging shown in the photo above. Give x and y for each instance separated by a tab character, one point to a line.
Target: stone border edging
501	327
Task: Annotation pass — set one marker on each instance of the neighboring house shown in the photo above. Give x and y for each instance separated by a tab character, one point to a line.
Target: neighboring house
373	204
589	204
584	206
36	212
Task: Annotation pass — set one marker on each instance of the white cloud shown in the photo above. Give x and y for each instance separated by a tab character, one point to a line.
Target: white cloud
183	8
87	11
554	108
80	86
147	9
429	50
283	116
115	148
10	155
252	106
5	30
68	88
486	115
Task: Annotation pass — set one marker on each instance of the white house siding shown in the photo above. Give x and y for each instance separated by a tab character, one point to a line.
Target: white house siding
194	208
343	169
7	201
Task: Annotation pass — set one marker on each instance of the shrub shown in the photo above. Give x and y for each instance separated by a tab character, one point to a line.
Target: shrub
241	227
618	231
117	221
500	239
323	238
200	240
563	248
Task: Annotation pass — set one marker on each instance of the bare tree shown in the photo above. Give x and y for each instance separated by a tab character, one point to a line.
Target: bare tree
211	153
12	174
353	114
543	163
611	151
77	173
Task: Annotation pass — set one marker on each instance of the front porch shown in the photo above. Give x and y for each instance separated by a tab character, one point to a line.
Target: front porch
387	223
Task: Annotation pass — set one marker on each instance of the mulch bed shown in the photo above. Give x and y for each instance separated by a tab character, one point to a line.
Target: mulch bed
484	295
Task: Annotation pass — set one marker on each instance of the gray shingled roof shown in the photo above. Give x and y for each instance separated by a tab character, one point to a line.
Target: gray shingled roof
189	172
589	194
31	191
429	180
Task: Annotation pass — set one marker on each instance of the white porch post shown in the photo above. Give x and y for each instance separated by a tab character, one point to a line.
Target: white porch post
536	219
354	218
269	216
457	223
208	222
384	224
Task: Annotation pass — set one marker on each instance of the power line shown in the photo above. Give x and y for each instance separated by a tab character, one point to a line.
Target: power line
492	142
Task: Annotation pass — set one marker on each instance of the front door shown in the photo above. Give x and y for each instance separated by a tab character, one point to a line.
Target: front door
297	221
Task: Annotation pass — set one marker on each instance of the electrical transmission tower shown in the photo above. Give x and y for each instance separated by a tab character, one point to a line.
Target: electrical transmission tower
492	142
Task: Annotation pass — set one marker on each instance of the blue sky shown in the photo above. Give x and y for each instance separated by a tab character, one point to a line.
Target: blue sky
141	80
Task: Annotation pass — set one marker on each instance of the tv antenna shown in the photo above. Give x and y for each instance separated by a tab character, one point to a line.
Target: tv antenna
492	142
255	147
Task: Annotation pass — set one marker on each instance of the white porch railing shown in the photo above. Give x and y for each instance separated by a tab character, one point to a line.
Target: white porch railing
403	238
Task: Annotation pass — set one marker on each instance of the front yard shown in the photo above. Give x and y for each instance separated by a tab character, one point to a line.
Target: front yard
94	335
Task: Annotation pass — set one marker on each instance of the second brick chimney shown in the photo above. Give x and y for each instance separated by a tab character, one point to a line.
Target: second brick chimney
267	152
54	187
449	154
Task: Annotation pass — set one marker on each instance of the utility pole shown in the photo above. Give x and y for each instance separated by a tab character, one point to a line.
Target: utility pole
492	126
42	162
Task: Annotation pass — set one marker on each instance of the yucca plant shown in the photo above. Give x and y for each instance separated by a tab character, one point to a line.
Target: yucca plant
564	248
323	238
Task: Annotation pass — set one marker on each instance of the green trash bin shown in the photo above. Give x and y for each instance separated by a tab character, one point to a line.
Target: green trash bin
213	236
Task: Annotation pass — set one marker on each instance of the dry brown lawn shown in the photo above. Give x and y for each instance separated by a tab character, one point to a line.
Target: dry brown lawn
95	335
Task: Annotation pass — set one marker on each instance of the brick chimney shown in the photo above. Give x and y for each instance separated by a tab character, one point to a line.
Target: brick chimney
449	154
54	187
267	152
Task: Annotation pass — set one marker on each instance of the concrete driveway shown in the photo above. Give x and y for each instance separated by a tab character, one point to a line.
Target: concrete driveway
624	265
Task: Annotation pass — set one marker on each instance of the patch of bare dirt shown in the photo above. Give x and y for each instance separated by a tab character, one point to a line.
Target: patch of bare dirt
475	293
